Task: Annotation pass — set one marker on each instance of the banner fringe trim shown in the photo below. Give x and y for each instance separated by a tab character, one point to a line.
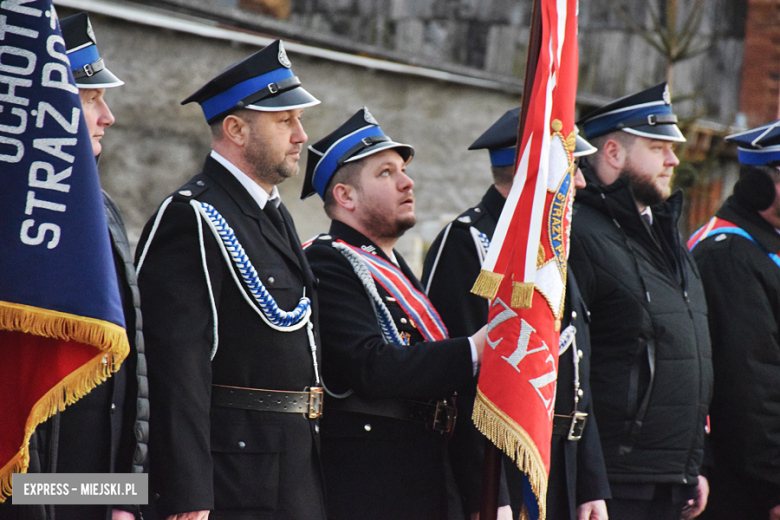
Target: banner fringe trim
487	284
522	295
109	338
511	438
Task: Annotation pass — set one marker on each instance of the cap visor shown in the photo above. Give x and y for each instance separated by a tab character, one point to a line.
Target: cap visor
660	132
102	79
406	151
288	100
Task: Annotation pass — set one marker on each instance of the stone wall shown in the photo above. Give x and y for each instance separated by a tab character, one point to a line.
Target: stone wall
156	144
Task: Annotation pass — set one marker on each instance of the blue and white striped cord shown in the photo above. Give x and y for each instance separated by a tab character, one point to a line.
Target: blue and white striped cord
232	250
482	243
282	320
383	316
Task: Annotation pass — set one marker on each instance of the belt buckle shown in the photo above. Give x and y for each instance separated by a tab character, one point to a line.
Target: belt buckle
88	70
578	421
444	418
315	402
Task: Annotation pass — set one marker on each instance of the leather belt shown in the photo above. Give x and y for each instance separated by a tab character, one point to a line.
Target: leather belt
570	426
308	402
439	416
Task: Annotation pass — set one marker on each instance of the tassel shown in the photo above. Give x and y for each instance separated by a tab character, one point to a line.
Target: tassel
487	284
510	438
522	295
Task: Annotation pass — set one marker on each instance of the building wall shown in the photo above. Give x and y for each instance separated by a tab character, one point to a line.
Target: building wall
156	144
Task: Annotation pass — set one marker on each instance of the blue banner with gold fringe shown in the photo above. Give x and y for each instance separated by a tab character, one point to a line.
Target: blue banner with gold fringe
61	321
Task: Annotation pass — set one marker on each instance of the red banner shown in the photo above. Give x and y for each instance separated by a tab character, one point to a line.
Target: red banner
524	273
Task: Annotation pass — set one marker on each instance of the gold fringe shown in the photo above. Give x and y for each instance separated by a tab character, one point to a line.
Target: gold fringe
513	440
540	260
108	338
487	284
522	295
524	514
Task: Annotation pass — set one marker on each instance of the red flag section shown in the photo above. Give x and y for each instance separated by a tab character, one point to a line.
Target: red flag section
524	273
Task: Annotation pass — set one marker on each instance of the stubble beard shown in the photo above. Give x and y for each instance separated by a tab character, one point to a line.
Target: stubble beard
644	188
265	169
381	227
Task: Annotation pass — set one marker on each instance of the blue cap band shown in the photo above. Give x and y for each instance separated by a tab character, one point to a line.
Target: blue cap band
226	100
83	57
609	122
329	163
758	157
503	157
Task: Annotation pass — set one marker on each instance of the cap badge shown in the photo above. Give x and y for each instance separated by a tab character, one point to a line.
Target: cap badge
667	96
283	59
369	118
90	32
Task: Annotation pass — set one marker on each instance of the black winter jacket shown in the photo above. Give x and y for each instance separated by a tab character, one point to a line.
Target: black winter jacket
651	370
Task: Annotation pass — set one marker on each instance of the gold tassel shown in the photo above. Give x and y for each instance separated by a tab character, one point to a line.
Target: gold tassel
108	338
487	284
522	295
509	437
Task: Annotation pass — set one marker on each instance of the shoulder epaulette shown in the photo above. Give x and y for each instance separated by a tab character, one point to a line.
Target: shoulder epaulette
322	238
469	217
189	191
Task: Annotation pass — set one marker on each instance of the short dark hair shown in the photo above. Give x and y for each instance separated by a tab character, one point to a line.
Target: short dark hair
624	138
348	173
503	175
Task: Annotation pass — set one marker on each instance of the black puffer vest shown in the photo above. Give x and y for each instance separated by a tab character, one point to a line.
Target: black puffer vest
651	369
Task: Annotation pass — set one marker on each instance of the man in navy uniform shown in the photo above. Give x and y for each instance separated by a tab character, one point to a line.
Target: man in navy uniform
389	364
578	483
651	369
737	254
105	431
231	320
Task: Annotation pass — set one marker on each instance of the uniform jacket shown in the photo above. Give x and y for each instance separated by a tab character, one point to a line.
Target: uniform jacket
742	285
241	464
578	467
379	467
651	369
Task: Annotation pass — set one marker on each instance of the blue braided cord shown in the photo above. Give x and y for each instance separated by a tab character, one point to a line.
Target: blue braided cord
261	295
484	239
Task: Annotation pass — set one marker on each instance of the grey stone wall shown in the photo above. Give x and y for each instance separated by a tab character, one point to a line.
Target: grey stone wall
156	144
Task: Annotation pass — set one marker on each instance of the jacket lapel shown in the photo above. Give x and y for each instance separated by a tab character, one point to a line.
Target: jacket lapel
249	207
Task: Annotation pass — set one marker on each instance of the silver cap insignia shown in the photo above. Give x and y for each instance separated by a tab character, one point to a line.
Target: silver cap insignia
368	117
283	59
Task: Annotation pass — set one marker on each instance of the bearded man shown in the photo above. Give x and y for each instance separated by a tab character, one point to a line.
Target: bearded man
651	367
231	323
389	366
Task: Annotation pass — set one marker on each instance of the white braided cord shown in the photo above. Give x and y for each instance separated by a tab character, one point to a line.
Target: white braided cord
214	314
383	316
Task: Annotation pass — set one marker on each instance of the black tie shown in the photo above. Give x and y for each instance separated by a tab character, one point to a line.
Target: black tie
273	213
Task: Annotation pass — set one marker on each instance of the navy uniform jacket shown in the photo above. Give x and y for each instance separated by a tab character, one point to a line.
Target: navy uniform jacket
241	464
577	473
379	467
742	285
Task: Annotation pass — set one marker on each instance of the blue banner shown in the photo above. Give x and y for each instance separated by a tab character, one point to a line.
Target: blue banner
54	243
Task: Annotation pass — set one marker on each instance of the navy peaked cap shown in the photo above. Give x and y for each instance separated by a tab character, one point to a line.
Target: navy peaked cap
88	68
359	137
501	140
758	146
264	81
646	114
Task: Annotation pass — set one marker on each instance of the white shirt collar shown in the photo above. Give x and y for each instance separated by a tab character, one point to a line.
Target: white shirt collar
647	211
255	190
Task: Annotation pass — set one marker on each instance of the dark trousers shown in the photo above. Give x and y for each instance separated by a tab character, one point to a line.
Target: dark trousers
665	502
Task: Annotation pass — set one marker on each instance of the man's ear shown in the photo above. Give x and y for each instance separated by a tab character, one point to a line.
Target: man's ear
344	195
236	129
614	154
